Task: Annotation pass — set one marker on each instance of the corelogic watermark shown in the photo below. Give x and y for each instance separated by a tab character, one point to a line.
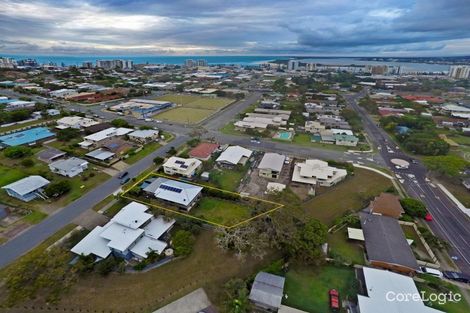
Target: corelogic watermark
441	298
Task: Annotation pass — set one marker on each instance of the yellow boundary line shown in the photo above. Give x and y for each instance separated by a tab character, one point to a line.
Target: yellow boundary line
125	196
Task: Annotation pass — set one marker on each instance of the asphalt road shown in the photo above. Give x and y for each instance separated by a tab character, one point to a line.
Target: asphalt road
38	233
449	222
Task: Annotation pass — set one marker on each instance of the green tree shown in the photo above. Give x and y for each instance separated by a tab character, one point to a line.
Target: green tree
120	122
183	242
57	189
306	243
413	207
17	152
68	134
158	161
449	165
27	162
236	296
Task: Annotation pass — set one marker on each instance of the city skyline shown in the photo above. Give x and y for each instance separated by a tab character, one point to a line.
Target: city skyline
320	28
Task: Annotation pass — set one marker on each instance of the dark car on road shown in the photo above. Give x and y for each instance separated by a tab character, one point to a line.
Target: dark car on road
461	277
125	180
122	175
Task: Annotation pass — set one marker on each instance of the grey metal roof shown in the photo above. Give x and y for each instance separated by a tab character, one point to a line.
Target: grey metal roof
68	164
267	289
272	161
100	154
27	184
173	190
49	154
385	241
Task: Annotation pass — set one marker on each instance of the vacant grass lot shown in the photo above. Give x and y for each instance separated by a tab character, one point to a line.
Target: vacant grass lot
307	287
355	191
221	211
343	249
146	150
227	179
191	109
208	267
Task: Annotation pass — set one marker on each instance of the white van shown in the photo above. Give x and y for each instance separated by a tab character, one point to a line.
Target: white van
431	271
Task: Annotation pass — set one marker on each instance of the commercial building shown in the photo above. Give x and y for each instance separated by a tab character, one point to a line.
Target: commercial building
142	106
26	137
181	166
386	245
63	93
131	234
234	155
459	71
271	165
314	172
28	188
176	193
292	65
76	122
381	291
69	167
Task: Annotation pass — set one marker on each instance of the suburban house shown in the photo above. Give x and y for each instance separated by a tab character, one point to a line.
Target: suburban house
203	151
346	140
386	204
76	122
317	172
176	193
181	166
132	233
314	127
377	284
101	155
144	136
50	155
267	291
100	137
233	156
28	188
386	244
271	165
69	167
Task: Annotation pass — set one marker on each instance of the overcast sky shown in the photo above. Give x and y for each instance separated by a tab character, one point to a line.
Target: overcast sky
251	27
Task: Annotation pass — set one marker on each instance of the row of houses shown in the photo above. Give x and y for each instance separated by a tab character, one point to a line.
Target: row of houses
262	119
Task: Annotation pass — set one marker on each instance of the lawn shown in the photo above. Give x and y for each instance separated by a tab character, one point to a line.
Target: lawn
355	191
146	150
227	179
35	217
221	211
417	246
208	266
345	250
307	287
184	115
456	188
429	287
303	139
191	109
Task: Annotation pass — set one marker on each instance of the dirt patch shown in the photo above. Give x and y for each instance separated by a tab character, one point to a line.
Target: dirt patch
90	219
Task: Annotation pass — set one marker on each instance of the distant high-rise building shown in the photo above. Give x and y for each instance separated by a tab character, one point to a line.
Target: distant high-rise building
87	64
201	62
113	64
28	63
459	71
292	65
127	64
190	63
377	69
7	62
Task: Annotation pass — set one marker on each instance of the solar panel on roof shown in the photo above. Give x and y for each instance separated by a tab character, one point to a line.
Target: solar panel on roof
171	188
184	166
179	162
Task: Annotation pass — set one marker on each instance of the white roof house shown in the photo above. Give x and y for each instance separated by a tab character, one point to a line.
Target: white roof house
181	166
105	134
69	167
77	122
272	161
234	155
317	171
382	286
132	232
143	135
28	188
174	191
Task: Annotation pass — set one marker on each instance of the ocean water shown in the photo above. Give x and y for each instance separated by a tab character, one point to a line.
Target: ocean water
230	59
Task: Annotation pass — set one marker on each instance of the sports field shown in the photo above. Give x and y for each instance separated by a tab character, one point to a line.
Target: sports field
191	109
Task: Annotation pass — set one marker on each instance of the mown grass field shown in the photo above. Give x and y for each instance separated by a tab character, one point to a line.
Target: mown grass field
221	211
355	191
307	287
191	109
227	179
346	250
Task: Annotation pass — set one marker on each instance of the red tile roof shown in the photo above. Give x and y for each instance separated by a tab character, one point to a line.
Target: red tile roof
203	150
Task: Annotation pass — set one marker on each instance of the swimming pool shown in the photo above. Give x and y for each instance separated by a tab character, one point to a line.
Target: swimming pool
284	135
26	136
